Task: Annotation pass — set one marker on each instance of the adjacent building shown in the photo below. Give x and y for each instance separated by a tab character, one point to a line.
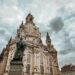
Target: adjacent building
68	70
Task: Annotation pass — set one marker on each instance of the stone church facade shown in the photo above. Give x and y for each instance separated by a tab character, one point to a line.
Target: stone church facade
27	55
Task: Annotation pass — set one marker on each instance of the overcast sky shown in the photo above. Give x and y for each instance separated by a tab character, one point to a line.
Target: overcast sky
55	16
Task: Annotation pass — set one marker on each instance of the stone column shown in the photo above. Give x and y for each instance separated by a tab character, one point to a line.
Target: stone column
28	64
41	64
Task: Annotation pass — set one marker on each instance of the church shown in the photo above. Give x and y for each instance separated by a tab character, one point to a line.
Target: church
27	55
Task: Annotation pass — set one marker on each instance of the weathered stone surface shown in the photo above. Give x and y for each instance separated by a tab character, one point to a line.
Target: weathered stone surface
37	58
16	68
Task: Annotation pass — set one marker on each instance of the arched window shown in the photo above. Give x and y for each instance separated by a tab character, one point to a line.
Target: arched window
41	64
28	64
41	59
28	58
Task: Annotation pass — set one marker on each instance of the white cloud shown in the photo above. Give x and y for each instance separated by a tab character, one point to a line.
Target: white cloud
11	15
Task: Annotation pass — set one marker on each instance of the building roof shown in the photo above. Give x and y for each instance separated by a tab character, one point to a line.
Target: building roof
68	68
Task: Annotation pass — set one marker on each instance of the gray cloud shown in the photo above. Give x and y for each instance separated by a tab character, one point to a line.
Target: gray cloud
57	24
63	36
62	39
67	44
64	44
2	32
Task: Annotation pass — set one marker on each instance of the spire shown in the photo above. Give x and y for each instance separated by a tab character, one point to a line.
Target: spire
29	18
10	40
48	40
22	23
48	37
21	26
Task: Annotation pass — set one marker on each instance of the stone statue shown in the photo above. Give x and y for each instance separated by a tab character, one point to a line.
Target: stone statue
20	47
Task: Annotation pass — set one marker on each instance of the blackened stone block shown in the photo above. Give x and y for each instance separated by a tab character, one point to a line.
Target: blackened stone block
16	68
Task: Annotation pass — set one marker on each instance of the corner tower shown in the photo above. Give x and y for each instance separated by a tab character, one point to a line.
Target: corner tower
53	57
